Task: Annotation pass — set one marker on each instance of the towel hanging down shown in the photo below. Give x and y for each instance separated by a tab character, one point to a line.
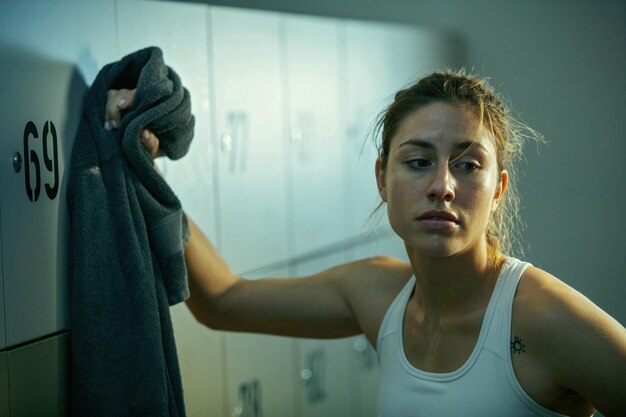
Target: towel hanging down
127	243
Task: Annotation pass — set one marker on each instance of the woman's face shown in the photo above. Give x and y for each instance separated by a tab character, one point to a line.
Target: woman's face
441	182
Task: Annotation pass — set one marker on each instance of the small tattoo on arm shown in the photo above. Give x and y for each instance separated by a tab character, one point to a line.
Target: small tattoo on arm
517	346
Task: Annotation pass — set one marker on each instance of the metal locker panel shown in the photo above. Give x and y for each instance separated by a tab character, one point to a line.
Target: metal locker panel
39	378
4	385
324	366
200	356
3	334
388	243
50	52
318	186
249	129
380	58
185	49
364	371
260	372
367	91
365	374
364	363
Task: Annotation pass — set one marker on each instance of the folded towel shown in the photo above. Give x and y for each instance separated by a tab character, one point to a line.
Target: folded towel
126	243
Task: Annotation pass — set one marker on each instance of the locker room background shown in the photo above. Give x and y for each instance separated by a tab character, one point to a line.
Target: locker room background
279	175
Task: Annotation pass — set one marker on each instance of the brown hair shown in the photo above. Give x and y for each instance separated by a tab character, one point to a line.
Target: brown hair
507	133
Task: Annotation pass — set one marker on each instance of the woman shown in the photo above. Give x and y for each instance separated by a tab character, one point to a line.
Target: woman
462	329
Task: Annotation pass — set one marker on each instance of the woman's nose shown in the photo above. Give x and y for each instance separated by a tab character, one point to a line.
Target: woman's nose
442	185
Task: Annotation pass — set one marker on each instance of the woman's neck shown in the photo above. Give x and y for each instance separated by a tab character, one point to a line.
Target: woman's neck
449	286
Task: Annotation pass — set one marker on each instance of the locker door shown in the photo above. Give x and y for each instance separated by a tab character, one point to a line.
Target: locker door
364	363
185	49
39	377
4	385
249	126
50	52
260	372
380	59
3	334
364	371
316	140
324	365
184	44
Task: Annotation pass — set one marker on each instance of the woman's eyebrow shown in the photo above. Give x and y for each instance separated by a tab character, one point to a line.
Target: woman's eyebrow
466	145
462	146
418	142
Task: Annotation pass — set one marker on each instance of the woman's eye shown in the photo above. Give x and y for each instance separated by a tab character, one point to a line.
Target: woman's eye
419	163
468	166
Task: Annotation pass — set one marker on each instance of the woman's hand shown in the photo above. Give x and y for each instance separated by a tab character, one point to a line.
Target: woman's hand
119	101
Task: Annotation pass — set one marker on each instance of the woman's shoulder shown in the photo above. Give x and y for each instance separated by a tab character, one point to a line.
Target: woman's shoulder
569	336
543	298
372	284
542	294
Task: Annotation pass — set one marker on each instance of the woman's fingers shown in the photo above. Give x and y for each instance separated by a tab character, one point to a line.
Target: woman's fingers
117	101
150	142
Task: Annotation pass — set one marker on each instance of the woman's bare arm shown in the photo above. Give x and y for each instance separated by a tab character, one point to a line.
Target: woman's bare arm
338	302
309	307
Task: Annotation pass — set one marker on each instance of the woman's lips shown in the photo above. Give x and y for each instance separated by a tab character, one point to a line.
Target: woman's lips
437	224
438	220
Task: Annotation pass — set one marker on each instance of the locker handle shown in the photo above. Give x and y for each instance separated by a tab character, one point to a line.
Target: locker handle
306	374
226	142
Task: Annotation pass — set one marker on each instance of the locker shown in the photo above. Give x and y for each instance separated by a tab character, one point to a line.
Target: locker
184	45
380	59
324	365
366	374
185	49
39	378
260	377
50	53
315	137
249	108
363	361
3	334
4	385
201	360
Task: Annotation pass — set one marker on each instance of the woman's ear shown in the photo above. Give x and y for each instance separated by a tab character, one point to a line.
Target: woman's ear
380	179
500	188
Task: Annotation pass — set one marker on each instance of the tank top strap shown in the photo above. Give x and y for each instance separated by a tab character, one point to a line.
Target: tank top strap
499	334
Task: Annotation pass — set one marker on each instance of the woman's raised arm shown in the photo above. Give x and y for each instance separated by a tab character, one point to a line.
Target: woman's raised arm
334	303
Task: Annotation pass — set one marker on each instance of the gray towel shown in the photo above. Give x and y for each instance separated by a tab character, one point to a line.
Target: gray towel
127	243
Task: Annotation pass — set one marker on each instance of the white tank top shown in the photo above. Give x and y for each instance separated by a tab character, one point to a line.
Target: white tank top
484	386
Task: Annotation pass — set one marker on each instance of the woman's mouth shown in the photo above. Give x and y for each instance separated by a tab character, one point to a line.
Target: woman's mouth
438	220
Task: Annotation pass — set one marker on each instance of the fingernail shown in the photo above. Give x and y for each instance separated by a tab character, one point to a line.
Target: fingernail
107	125
145	135
113	124
121	102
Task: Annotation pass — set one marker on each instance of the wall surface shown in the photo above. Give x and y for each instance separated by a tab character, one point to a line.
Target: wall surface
562	64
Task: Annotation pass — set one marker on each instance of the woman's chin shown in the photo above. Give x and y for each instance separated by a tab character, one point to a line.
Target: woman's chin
440	248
